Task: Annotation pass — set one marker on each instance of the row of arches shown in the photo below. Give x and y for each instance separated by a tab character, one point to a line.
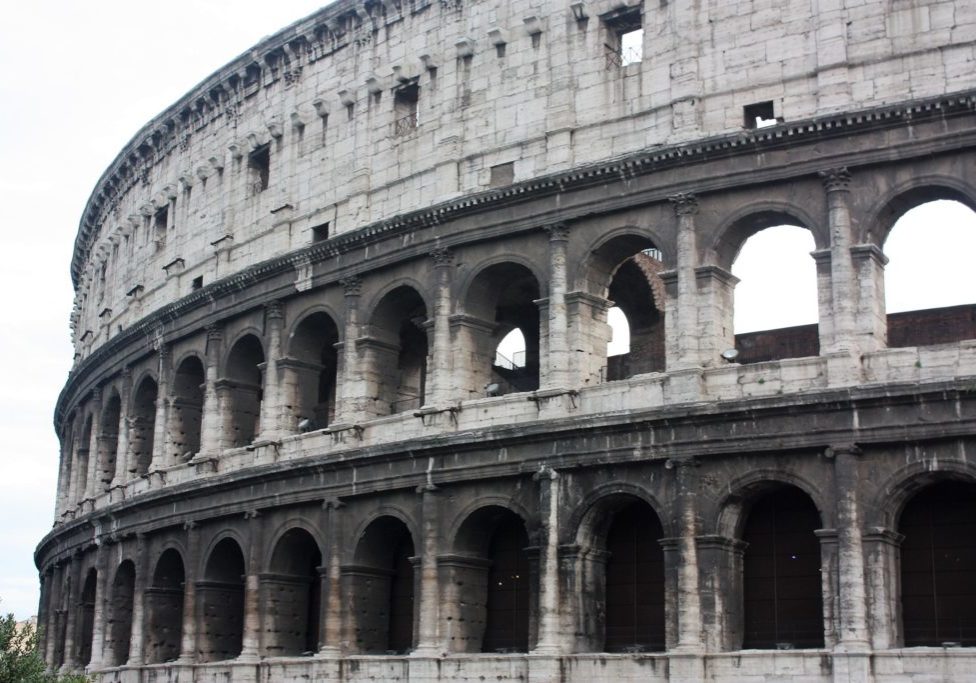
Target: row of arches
491	571
496	336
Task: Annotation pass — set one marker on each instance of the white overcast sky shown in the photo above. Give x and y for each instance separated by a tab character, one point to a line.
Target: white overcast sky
79	79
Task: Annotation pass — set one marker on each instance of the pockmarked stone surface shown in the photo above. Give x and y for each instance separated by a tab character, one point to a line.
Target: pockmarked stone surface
293	447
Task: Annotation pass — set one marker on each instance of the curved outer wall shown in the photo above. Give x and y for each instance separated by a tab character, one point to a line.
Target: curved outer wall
286	432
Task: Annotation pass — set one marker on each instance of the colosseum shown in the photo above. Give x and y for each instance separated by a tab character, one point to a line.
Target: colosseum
293	450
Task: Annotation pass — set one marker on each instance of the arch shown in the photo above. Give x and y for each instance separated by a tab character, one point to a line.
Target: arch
734	507
621	564
85	627
186	416
292	594
776	304
938	564
220	595
463	287
609	250
907	481
142	425
164	608
242	386
496	580
500	297
108	437
943	309
753	218
381	587
120	613
897	201
583	523
311	371
781	586
395	352
409	283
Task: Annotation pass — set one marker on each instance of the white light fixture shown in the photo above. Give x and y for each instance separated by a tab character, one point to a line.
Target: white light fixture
730	354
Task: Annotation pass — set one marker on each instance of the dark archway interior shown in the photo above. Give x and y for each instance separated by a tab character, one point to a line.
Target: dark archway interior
398	362
782	601
293	595
108	439
313	346
142	426
86	620
164	607
187	414
120	613
634	581
221	595
244	377
508	594
382	586
938	563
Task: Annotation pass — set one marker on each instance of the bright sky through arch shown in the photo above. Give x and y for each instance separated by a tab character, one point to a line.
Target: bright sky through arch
778	280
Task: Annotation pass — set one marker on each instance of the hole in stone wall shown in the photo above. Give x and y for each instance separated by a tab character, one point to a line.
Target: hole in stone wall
320	232
259	168
502	175
759	115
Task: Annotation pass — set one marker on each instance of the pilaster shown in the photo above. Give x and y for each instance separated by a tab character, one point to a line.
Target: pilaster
271	417
161	444
439	376
557	363
136	637
210	421
686	332
332	598
550	638
251	638
351	381
188	641
429	643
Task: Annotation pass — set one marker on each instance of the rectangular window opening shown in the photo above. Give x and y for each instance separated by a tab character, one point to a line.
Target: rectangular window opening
259	166
160	223
197	283
502	175
406	100
625	39
759	115
320	233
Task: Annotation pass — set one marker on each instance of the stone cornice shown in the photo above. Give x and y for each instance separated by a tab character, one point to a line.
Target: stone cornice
647	162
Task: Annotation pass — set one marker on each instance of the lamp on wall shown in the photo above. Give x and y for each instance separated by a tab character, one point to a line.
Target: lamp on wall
730	355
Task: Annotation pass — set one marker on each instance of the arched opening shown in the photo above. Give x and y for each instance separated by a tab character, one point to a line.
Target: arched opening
782	601
293	596
310	372
776	308
499	334
221	597
381	584
634	581
187	409
142	426
638	294
624	336
619	572
108	438
493	582
120	614
86	619
930	294
164	607
82	460
241	391
396	352
938	565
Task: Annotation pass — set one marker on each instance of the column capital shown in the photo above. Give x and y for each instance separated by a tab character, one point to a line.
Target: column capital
274	310
215	332
835	179
558	232
681	463
97	396
352	285
442	257
545	473
684	203
332	503
830	452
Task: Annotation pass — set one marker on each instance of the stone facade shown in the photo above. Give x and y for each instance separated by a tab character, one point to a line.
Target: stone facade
288	453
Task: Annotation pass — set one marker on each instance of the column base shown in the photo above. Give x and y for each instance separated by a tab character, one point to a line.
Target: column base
852	667
686	665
